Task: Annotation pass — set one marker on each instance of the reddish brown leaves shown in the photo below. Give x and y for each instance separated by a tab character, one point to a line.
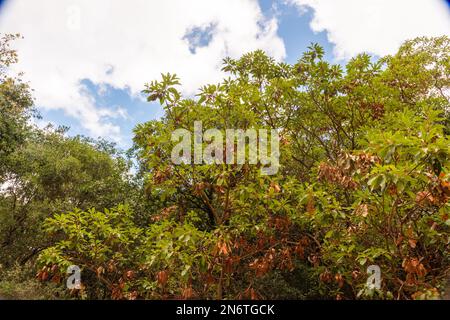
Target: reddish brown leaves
222	248
424	198
314	259
414	270
100	270
341	173
437	194
376	109
161	175
219	189
310	205
274	187
335	175
264	264
261	266
362	210
228	265
117	293
412	243
129	275
279	223
199	187
133	295
162	277
42	275
339	279
286	260
49	273
326	276
165	213
187	293
299	249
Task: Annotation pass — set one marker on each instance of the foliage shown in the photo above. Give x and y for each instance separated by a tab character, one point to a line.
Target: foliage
363	180
49	174
15	104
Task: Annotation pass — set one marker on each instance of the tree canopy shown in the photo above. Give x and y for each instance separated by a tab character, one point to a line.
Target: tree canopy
363	180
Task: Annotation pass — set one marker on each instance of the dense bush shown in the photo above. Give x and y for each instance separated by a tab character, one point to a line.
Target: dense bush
363	180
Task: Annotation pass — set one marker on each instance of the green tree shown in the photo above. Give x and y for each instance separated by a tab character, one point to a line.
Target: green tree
363	179
15	104
50	174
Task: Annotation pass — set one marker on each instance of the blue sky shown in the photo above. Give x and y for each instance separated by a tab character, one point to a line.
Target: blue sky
88	60
295	30
138	111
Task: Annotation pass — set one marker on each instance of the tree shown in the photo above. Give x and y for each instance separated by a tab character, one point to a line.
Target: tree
50	174
363	179
44	172
15	104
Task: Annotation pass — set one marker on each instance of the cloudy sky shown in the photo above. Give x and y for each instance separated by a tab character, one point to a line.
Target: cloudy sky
88	60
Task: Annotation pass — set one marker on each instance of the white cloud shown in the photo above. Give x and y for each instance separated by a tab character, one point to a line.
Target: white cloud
125	44
376	26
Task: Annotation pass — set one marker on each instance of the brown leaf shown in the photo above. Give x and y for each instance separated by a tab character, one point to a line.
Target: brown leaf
100	270
275	187
362	210
130	274
162	277
339	279
187	293
310	208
